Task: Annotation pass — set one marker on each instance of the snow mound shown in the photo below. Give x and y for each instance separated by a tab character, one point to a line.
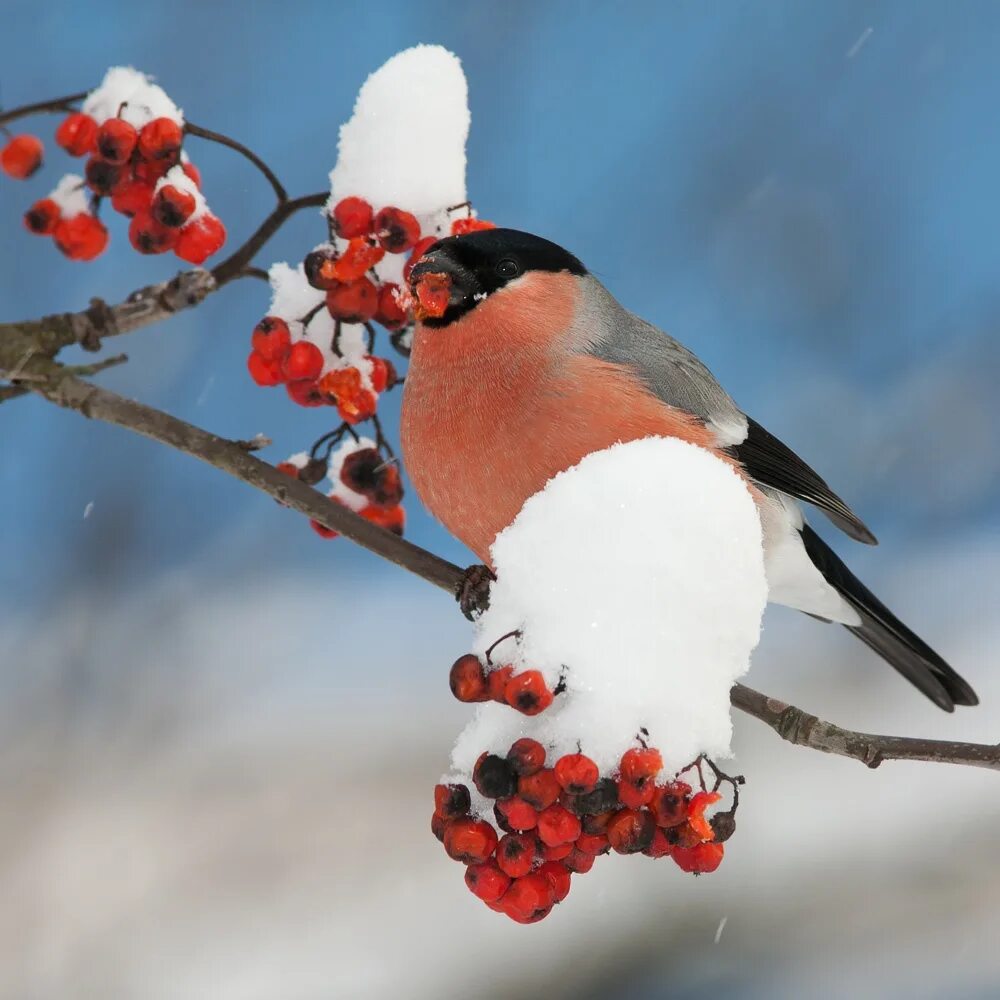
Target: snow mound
72	196
637	580
405	143
143	100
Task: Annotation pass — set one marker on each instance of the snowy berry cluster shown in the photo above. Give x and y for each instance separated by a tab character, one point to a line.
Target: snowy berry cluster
363	478
551	822
132	135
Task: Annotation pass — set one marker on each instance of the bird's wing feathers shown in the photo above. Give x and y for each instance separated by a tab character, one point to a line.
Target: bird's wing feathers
769	461
676	376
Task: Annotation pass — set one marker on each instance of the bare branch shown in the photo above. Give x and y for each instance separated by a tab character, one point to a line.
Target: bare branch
224	140
57	104
790	723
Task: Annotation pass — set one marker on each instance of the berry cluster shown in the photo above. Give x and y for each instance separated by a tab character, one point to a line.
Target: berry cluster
524	690
551	822
364	480
132	136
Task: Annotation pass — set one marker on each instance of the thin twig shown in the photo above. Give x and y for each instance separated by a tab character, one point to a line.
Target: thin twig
224	140
790	723
57	104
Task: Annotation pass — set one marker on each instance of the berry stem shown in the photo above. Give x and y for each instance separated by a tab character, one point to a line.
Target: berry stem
224	140
505	636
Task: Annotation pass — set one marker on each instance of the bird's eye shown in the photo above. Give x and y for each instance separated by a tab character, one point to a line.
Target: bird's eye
508	268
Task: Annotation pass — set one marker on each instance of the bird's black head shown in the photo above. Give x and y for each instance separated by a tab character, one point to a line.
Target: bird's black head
478	264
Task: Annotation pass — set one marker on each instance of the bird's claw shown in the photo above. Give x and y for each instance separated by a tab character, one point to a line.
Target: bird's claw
473	591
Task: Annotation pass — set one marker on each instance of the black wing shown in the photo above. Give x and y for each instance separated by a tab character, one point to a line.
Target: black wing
774	464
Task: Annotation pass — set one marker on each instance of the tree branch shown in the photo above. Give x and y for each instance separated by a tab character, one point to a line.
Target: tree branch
57	104
791	724
224	140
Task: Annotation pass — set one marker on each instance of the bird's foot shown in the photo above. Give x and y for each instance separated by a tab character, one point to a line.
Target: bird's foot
473	591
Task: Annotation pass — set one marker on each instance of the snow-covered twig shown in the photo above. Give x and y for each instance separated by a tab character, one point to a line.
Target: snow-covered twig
790	723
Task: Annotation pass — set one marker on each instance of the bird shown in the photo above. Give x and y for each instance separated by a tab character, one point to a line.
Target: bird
522	363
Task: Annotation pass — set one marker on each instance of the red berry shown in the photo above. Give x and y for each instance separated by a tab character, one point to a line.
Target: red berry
498	678
438	823
593	843
389	312
529	898
467	678
264	371
303	362
161	140
540	789
494	777
640	765
486	881
352	301
366	472
77	134
528	693
149	236
578	862
516	813
324	532
559	879
577	773
390	518
288	468
557	825
383	373
351	217
201	238
557	853
354	262
460	227
700	801
43	217
659	846
418	251
516	854
433	295
102	176
22	156
451	801
81	238
526	756
150	171
470	841
193	172
305	393
670	805
700	859
318	268
116	140
172	206
633	797
597	823
271	338
358	408
130	196
631	831
396	230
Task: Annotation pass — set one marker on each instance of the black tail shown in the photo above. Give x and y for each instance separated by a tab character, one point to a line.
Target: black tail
882	631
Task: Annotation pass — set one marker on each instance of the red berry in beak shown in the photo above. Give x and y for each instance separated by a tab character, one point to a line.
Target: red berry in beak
433	295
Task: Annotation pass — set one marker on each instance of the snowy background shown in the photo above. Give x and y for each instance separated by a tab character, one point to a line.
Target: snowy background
219	734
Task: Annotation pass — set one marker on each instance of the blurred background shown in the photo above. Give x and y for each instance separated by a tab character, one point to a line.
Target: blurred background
219	734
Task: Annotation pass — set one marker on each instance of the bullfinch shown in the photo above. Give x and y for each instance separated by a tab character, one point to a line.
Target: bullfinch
523	363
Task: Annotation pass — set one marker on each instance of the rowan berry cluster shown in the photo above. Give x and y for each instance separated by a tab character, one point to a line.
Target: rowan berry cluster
524	690
552	822
132	136
363	478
